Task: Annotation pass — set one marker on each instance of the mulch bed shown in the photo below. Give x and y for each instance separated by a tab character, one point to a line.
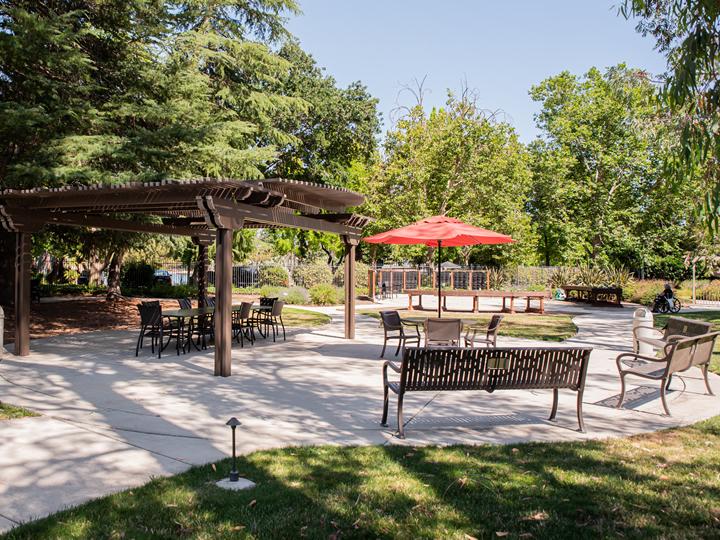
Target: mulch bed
63	316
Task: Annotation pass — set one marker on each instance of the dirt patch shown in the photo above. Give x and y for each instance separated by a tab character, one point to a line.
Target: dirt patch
66	316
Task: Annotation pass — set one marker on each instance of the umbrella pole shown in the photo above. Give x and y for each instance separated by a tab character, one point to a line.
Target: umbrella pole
439	280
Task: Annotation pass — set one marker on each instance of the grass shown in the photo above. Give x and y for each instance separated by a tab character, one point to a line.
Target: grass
708	316
296	317
9	412
547	327
665	484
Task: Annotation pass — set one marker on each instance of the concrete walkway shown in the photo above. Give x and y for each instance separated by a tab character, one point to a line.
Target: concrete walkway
112	421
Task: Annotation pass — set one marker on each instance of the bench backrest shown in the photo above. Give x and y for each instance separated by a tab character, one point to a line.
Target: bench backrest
453	368
681	326
682	354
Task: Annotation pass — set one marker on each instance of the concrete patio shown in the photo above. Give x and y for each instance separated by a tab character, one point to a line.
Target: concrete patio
111	421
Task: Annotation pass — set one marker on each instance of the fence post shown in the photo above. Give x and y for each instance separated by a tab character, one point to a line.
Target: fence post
452	279
419	278
404	274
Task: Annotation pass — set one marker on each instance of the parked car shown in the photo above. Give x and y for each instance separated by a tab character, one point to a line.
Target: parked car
162	276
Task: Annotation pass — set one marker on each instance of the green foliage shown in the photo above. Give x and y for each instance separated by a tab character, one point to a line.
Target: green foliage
69	289
296	296
591	276
458	161
688	33
598	190
361	276
270	291
643	291
339	127
325	294
137	275
313	273
498	278
273	275
162	290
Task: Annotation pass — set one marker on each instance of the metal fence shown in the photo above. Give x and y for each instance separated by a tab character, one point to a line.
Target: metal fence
394	280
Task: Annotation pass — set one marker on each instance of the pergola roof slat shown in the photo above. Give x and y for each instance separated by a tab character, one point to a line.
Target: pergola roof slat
293	203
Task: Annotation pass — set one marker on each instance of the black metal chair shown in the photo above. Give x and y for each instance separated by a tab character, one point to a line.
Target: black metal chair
184	303
392	322
490	340
157	327
242	324
273	319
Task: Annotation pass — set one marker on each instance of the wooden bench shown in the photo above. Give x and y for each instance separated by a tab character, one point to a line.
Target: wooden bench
594	295
679	354
522	368
508	298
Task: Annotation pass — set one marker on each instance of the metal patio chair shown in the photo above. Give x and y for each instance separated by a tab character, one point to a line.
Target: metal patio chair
392	322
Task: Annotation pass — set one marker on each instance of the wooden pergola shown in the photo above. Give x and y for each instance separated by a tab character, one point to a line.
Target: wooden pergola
206	210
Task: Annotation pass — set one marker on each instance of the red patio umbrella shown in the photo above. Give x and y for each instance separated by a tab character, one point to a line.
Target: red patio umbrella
439	231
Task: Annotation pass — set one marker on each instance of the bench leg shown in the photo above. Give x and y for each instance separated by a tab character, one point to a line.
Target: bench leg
401	427
707	381
581	423
385	406
410	304
554	405
622	391
663	384
542	306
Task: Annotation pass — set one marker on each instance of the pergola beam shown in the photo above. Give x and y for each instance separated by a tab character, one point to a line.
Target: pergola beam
221	212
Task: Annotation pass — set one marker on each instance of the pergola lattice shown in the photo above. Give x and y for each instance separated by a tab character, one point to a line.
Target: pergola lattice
206	209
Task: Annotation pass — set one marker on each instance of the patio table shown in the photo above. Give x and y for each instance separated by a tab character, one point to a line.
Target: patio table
257	310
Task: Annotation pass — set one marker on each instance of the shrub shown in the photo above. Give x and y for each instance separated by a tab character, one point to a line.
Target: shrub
562	276
324	294
270	291
313	273
137	275
643	291
273	275
296	295
711	291
361	277
498	278
162	290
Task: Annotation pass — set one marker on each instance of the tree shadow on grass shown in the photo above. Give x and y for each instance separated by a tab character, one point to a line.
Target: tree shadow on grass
565	490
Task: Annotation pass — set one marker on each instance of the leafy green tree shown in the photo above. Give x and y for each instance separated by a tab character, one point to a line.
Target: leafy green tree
339	127
460	162
599	192
688	33
112	91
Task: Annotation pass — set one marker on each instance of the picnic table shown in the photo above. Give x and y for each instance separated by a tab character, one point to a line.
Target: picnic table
508	298
594	295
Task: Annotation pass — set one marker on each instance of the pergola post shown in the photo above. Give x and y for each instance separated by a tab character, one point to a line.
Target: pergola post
22	293
201	272
350	280
223	303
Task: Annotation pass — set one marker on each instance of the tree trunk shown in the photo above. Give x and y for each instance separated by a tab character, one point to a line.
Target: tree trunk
114	292
95	267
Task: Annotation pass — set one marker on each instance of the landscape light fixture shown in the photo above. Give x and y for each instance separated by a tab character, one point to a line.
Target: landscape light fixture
234	474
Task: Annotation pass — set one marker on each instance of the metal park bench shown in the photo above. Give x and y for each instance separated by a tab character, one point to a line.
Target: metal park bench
489	369
675	326
679	354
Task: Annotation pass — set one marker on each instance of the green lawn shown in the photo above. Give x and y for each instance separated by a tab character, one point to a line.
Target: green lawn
666	484
8	412
547	327
296	317
709	316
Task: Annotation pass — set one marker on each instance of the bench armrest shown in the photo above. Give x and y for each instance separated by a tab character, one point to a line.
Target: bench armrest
619	358
646	327
392	365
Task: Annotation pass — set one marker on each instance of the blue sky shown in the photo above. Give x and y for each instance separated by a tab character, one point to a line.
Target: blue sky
500	48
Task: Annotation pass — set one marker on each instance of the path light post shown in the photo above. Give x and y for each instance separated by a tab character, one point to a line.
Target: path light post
234	474
234	482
